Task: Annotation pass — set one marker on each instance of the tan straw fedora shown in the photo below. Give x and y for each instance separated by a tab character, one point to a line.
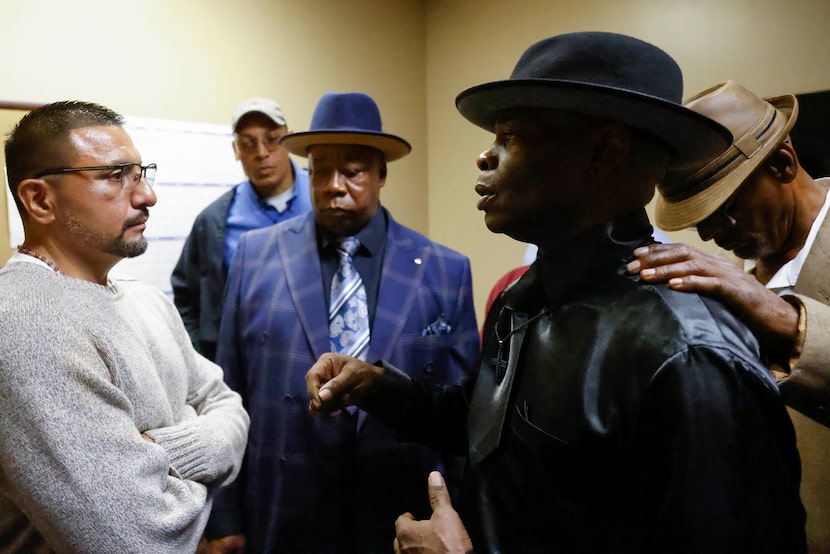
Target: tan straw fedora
758	127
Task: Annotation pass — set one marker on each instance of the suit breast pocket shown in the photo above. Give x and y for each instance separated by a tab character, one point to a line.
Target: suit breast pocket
429	357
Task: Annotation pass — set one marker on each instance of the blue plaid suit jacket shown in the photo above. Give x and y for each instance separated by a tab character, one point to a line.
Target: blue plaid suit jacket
312	484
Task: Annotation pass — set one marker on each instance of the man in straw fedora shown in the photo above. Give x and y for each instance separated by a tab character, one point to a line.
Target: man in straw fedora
608	414
757	201
346	278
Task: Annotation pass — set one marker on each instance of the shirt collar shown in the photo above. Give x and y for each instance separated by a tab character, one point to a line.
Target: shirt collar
787	275
281	201
592	255
371	237
247	190
20	257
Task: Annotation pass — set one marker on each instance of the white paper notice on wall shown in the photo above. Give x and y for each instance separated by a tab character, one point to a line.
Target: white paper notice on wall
195	166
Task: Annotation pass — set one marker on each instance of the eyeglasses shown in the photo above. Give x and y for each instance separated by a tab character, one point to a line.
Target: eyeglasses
127	175
251	144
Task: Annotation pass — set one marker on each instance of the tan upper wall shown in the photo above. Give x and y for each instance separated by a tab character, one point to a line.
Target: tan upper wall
770	46
196	59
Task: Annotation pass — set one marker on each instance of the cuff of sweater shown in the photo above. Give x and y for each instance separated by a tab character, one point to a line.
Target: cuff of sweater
189	456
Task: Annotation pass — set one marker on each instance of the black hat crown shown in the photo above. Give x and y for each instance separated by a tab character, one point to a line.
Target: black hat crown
607	75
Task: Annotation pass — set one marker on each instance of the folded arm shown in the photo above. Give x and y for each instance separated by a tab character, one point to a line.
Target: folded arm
74	462
207	447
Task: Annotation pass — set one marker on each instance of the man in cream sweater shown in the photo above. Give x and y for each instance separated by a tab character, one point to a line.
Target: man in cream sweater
113	430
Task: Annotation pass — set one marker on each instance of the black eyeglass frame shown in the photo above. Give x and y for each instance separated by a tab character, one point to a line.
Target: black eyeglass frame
142	173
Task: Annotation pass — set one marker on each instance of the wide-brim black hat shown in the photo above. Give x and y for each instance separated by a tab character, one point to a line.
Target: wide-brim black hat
605	75
347	118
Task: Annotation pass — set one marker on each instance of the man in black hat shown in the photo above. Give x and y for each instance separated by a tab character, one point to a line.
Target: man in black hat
608	414
345	278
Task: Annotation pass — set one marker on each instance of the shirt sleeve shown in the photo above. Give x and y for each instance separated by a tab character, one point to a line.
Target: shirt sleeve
714	452
806	386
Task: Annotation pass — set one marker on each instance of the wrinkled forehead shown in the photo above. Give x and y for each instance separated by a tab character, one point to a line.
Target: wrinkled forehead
100	145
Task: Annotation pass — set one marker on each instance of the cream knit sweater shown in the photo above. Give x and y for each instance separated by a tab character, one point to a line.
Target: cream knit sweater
84	371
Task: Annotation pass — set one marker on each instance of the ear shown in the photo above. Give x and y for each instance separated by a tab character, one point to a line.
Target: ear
235	150
783	163
38	199
382	172
612	144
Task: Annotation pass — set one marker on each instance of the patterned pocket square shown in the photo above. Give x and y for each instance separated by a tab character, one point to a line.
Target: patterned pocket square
437	327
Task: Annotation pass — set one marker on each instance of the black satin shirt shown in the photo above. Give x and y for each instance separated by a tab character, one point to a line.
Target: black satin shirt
638	419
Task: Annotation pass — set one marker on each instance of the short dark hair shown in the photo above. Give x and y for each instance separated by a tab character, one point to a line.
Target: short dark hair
35	141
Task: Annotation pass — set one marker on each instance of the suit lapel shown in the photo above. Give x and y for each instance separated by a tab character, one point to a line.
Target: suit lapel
813	281
404	263
301	264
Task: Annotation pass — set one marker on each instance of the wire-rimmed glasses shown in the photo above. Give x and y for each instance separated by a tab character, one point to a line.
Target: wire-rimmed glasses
128	175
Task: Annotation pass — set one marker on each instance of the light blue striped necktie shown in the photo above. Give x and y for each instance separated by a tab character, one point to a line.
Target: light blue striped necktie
348	310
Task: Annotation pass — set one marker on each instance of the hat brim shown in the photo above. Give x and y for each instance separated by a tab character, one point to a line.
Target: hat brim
693	137
674	216
393	147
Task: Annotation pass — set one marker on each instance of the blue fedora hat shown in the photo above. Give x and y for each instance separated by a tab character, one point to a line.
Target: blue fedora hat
605	75
346	118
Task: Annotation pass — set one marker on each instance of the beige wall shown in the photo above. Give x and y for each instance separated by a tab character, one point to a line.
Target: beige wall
195	59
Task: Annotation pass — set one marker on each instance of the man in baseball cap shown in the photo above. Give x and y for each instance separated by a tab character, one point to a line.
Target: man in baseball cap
264	106
276	189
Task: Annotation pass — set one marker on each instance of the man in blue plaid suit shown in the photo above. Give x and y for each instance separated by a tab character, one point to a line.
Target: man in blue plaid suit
323	485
